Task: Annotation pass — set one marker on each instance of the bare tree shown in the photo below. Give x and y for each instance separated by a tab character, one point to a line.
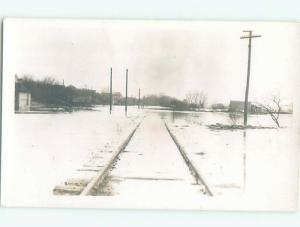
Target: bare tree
189	97
202	98
50	81
234	117
197	99
273	108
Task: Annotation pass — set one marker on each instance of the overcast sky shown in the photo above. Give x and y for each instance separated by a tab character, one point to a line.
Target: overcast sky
162	57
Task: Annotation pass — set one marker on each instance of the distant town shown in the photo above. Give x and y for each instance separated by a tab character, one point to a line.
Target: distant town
50	95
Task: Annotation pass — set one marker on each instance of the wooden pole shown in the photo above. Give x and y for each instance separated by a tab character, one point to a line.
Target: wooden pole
126	92
110	95
248	80
250	36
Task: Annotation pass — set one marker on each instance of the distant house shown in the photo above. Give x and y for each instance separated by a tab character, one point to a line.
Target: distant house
116	96
22	101
22	97
238	106
257	109
218	106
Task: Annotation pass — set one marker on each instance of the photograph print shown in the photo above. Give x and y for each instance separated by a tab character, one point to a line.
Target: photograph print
150	114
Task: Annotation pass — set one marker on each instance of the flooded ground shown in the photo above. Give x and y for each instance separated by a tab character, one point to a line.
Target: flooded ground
151	165
252	166
51	148
253	163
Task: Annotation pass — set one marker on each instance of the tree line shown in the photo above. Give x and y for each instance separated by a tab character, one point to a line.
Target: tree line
50	92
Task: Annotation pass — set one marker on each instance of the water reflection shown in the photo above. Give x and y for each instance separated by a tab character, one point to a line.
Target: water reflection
238	156
206	118
244	150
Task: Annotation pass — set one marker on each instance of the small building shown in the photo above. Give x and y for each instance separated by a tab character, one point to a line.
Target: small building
116	97
22	101
22	96
253	108
257	109
218	106
238	106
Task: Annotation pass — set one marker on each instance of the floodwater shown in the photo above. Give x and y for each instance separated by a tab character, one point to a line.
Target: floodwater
48	149
253	164
257	165
151	165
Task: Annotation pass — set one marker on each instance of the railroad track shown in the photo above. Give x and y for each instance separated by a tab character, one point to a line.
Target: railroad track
195	172
90	187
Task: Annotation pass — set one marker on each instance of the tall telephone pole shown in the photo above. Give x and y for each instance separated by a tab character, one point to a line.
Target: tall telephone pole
126	92
249	37
110	92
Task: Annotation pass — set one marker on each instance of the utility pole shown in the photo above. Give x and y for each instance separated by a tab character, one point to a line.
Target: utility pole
249	37
110	95
139	98
126	92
